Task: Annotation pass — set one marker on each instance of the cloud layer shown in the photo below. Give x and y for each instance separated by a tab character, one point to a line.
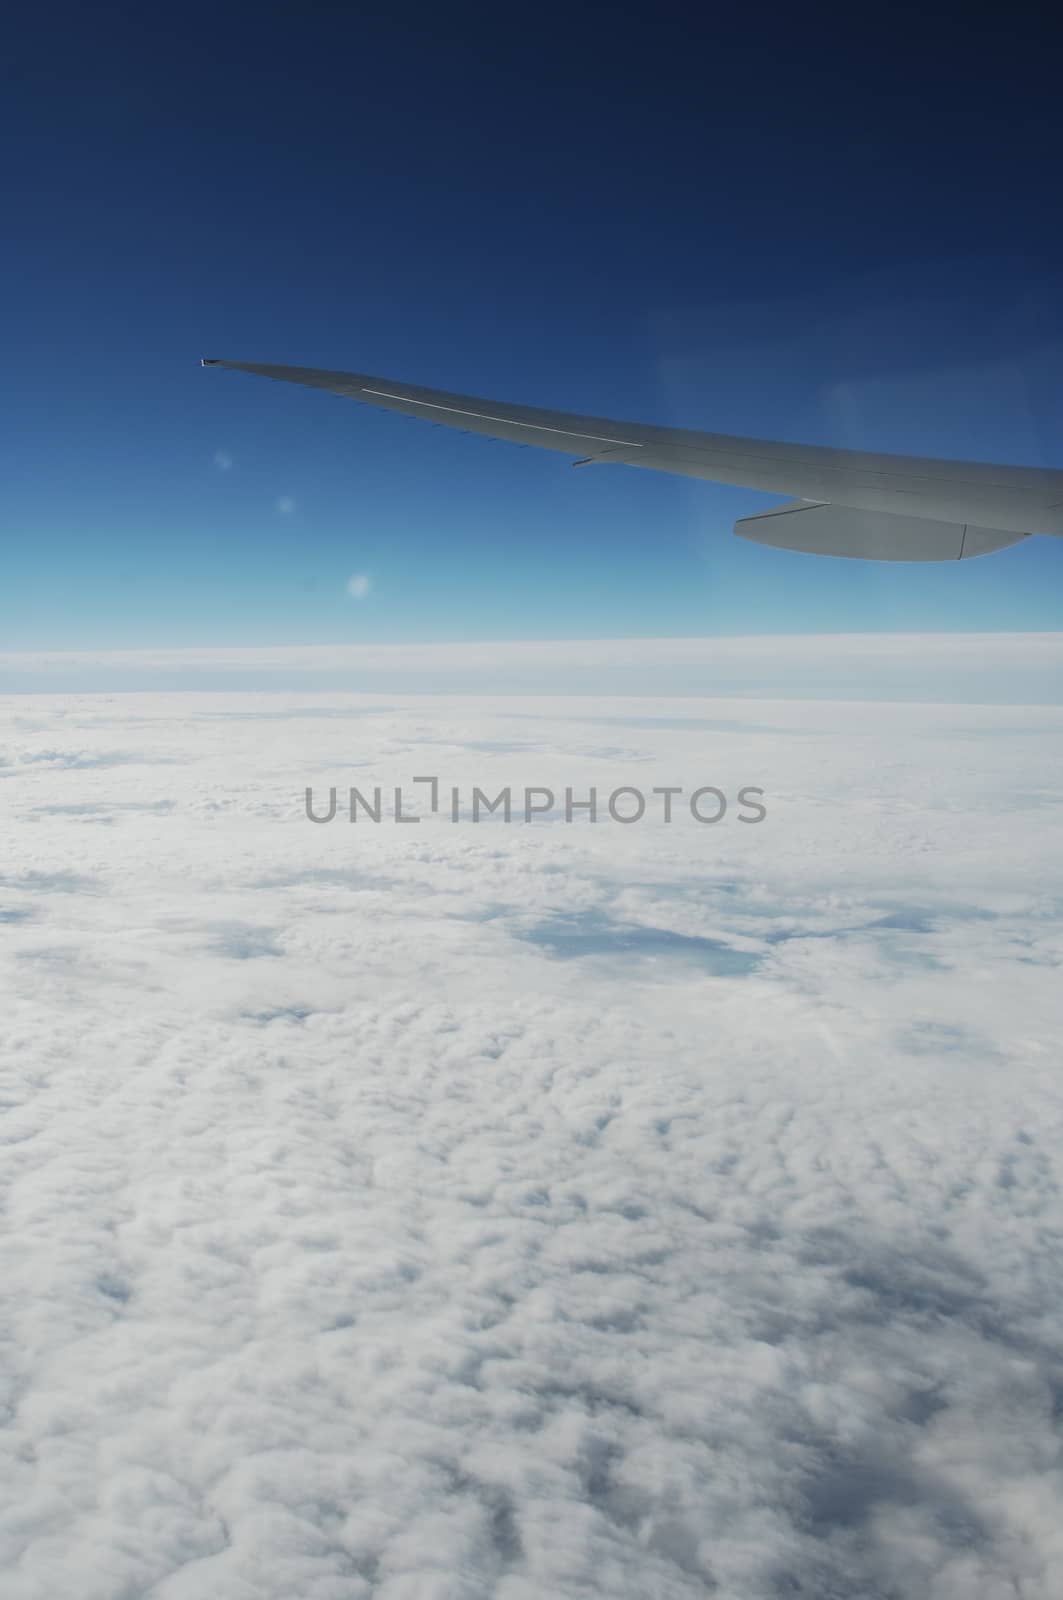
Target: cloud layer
977	669
450	1210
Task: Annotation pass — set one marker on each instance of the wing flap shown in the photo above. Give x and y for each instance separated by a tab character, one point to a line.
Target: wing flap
821	529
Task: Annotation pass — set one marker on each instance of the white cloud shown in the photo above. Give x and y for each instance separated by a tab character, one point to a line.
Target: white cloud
358	585
285	505
367	1237
223	460
991	669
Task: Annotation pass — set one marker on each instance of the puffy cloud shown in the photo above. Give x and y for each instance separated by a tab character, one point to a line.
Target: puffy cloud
358	585
431	1210
223	460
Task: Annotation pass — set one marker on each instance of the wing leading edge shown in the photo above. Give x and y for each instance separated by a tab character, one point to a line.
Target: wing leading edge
910	508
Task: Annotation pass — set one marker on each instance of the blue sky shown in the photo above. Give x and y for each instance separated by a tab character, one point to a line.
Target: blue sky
787	226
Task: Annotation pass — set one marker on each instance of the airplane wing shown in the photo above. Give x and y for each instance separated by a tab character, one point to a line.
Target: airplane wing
845	502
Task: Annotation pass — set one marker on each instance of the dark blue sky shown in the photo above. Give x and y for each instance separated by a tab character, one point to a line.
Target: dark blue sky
806	224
